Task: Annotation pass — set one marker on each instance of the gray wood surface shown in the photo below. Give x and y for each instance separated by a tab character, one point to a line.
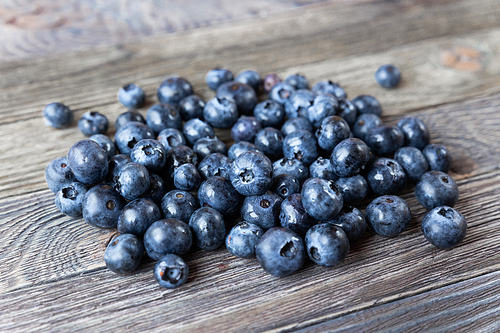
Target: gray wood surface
52	276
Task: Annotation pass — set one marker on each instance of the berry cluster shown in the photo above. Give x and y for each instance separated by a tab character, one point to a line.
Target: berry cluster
284	191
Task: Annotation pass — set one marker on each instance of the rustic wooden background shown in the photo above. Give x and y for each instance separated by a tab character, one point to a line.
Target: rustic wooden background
52	275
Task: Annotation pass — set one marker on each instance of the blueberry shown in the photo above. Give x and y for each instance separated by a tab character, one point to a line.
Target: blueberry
296	124
173	89
294	216
323	106
349	157
245	129
438	157
136	217
297	81
385	140
322	168
128	116
270	141
285	185
326	244
220	112
413	162
415	132
321	198
388	215
252	78
386	176
352	221
176	157
329	87
347	111
436	188
69	200
93	123
444	227
186	177
367	104
241	94
129	134
115	165
149	153
57	115
88	161
191	107
206	146
171	137
388	76
215	165
102	206
281	92
298	103
196	129
262	210
242	147
270	80
208	228
171	271
243	238
251	173
132	181
157	189
218	76
179	205
131	96
280	251
167	236
364	124
354	189
161	116
124	253
58	174
269	113
218	193
301	145
291	167
331	132
105	143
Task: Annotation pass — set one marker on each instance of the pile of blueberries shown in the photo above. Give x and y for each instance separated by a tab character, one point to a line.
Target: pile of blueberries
284	191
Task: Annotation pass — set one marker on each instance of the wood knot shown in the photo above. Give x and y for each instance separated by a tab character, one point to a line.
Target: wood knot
463	59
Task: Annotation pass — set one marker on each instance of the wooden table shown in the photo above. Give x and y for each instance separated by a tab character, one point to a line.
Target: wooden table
52	274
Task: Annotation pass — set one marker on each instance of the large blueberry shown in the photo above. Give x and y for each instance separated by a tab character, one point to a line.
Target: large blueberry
297	81
269	113
132	181
124	253
285	185
173	89
206	146
88	161
167	236
243	238
280	251
69	200
105	143
323	106
349	157
386	176
149	153
186	177
128	116
413	162
171	137
102	206
298	103
220	112
57	115
364	124
162	116
388	215
388	76
195	129
438	156
262	210
322	168
331	132
367	104
295	124
191	107
251	173
131	96
321	198
178	204
294	216
93	122
219	193
215	165
251	78
242	147
385	140
436	188
243	95
245	129
216	77
352	221
444	227
301	145
137	216
415	132
353	189
270	140
326	244
129	134
291	167
329	87
58	174
171	271
281	92
208	228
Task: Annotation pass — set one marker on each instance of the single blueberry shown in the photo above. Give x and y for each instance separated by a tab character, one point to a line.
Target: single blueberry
186	177
128	116
243	238
438	157
367	104
322	168
171	137
444	227
206	146
88	161
220	112
281	92
132	181
301	145
69	200
219	194
157	189
102	206
364	124
58	174
413	162
294	216
321	198
129	134
137	216
124	253
269	113
216	77
241	94
291	167
208	228
388	215
415	132
162	116
298	103
262	210
326	244
213	165
57	115
105	143
171	271
173	89
331	132
93	122
252	78
280	251
195	129
386	176
285	185
349	157
149	153
167	236
296	124
131	96
242	147
329	87
388	76
191	107
251	173
270	80
347	111
297	81
323	106
436	188
352	221
354	189
270	141
385	140
178	204
245	129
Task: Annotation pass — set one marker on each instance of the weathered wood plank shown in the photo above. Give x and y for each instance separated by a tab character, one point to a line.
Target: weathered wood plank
228	293
471	305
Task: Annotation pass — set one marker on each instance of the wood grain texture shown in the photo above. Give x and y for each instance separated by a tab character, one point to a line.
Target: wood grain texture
71	281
